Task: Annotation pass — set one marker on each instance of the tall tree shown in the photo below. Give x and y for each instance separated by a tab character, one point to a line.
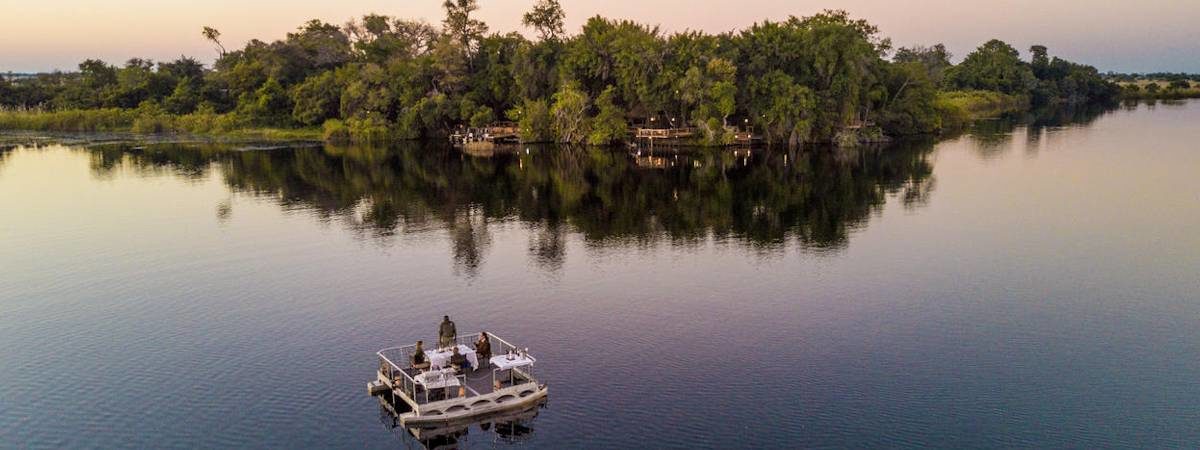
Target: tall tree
460	26
935	60
213	35
547	18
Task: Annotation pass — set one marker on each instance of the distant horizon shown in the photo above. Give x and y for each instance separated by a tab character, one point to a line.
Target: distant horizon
1129	37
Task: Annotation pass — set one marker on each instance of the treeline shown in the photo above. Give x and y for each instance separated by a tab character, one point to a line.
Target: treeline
1168	77
822	78
1178	89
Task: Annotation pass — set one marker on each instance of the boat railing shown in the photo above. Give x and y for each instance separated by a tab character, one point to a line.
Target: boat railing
526	373
393	361
390	360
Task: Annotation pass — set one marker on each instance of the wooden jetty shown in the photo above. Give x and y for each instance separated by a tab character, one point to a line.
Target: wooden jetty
495	133
684	136
664	133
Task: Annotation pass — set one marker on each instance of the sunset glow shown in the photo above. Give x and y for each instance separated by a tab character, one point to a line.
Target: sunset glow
1142	36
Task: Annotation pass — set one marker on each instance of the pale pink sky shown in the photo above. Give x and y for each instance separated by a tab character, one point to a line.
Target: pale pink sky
1123	35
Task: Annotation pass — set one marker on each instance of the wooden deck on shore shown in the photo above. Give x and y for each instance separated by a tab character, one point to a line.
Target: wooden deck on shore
683	136
496	133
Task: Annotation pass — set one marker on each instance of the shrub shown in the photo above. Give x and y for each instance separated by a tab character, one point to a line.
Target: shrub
104	119
533	121
959	107
335	130
370	130
609	125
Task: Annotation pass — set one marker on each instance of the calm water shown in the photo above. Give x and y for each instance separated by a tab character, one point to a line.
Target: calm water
1023	285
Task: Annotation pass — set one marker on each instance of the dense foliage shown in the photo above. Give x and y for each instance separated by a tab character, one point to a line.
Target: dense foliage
996	66
803	79
1157	85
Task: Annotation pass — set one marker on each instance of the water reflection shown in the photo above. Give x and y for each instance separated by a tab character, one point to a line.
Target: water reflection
510	427
5	151
993	137
765	200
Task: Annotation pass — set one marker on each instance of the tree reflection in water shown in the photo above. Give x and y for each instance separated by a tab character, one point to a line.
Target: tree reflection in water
5	151
766	200
993	137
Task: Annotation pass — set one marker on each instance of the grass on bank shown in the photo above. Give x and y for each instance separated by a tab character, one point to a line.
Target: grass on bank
957	108
147	120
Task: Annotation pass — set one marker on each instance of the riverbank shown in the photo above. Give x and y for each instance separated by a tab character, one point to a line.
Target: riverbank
1159	90
958	108
148	122
955	108
1167	94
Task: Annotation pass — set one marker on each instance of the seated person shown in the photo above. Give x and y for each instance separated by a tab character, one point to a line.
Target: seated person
483	348
419	360
459	361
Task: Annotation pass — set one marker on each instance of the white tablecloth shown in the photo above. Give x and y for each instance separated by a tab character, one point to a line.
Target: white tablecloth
501	362
441	358
436	379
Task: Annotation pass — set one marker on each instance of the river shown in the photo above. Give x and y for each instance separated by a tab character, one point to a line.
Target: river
1032	283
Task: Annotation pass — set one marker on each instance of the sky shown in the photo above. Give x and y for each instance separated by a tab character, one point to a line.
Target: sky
1119	35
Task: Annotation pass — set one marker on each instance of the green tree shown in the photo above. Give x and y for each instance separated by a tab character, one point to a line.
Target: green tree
492	79
623	54
138	82
547	18
533	121
365	90
93	87
782	108
609	125
482	116
535	69
379	39
316	100
935	60
994	66
319	46
570	114
1039	60
834	57
213	35
184	99
460	26
451	62
269	105
910	106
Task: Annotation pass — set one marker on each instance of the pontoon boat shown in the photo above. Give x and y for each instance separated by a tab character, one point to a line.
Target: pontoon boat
444	394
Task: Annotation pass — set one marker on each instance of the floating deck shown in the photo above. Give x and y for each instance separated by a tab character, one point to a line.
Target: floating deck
443	396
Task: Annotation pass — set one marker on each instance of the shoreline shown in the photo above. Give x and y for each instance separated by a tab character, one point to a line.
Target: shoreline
957	110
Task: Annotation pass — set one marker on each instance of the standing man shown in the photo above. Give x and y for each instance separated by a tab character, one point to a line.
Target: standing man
447	333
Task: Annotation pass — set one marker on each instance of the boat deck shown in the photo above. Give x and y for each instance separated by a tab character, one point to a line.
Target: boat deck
397	375
477	382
